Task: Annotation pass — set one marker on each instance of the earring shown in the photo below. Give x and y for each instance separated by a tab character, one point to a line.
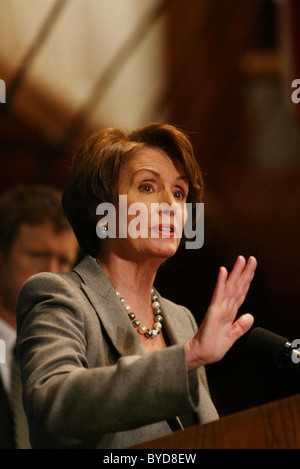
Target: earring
102	231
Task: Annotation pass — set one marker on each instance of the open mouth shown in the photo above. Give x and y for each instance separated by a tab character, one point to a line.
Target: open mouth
163	231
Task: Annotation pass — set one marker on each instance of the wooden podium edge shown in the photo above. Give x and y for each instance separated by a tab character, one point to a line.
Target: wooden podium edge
275	425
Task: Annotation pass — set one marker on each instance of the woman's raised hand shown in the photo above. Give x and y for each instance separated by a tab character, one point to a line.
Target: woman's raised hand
220	328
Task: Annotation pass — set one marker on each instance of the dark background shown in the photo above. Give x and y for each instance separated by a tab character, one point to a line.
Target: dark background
229	88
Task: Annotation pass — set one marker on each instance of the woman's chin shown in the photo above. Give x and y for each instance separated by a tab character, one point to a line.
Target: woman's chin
142	249
165	247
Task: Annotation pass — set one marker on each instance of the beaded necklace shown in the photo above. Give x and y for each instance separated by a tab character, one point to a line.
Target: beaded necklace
157	323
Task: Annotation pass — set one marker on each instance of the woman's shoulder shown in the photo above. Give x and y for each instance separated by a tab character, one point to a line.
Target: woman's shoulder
47	281
50	292
49	288
44	281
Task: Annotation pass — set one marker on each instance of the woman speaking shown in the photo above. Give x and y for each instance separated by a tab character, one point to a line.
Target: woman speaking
106	361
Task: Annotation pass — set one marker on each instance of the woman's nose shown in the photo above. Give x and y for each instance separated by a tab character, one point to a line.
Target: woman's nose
165	208
167	198
168	204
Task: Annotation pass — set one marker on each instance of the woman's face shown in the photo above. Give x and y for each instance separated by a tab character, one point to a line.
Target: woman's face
160	188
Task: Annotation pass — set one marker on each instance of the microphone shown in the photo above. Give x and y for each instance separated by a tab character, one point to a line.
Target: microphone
275	350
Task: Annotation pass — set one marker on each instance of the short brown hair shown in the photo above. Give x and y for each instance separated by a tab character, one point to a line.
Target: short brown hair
96	168
31	205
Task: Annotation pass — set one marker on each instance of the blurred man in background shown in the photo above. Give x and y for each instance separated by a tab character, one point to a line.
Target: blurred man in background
35	237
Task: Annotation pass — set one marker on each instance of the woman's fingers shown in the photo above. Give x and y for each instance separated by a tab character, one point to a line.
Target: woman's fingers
237	270
249	270
241	326
243	283
220	286
242	272
239	279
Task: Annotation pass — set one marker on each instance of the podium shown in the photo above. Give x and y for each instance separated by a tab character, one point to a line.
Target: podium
275	425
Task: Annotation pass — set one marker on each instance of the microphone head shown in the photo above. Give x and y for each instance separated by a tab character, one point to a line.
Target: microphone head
266	345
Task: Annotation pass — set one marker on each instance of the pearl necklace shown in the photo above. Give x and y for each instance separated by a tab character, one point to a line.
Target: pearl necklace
157	325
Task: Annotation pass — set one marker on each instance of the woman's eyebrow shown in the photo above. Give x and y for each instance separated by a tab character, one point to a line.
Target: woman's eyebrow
183	178
155	173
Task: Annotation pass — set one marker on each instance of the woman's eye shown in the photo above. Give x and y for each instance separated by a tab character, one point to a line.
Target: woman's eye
146	188
179	194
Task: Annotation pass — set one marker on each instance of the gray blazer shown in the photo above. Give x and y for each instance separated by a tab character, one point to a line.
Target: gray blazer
88	381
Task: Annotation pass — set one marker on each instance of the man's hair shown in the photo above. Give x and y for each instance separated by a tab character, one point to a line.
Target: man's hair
96	167
31	205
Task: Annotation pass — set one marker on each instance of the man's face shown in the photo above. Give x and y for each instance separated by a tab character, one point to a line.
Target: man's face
36	248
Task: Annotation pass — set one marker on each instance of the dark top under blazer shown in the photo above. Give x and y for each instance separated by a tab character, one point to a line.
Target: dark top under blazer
88	381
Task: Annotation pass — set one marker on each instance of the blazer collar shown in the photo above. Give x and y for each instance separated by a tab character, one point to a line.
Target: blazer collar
101	294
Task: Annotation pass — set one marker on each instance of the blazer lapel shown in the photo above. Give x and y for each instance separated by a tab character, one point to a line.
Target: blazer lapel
101	294
175	327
